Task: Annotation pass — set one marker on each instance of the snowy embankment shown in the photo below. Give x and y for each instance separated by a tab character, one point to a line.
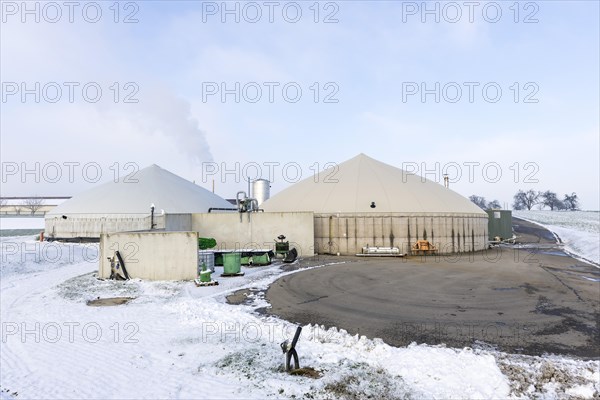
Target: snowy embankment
579	231
174	340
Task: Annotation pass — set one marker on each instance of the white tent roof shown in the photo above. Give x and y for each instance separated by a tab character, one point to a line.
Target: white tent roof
363	180
154	185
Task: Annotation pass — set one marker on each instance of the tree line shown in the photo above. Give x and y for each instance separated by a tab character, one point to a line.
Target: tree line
526	200
32	204
482	203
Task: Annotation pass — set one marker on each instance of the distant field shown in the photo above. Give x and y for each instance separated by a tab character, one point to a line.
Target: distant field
19	232
20	226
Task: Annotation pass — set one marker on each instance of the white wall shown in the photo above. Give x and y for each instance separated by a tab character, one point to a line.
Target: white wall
152	255
257	230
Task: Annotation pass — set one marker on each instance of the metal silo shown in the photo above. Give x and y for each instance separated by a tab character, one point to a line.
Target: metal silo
261	190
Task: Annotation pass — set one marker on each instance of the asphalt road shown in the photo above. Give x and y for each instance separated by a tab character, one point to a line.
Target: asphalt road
530	301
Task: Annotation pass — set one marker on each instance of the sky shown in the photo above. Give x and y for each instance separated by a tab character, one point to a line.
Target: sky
501	96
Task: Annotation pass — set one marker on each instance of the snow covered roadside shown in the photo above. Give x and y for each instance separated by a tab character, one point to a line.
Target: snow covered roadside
175	340
578	230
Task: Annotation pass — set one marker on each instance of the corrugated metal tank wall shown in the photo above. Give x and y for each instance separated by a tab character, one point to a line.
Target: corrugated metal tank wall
451	233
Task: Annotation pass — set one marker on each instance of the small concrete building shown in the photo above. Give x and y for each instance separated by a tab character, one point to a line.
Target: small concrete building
125	205
364	202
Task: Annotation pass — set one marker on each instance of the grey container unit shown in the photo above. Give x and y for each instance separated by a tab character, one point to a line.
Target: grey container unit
500	224
208	258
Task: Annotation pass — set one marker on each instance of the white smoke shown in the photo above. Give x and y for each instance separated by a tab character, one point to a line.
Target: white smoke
159	111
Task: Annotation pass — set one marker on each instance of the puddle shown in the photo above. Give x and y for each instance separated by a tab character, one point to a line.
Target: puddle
590	279
553	253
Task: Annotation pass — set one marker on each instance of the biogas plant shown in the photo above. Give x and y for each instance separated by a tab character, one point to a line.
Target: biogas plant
373	204
370	209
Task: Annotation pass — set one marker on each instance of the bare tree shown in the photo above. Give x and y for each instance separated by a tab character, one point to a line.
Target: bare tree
33	204
482	203
550	200
525	200
571	202
479	201
495	204
561	205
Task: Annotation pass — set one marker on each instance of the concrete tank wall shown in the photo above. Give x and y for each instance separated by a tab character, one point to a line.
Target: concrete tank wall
178	222
258	230
348	233
93	225
152	255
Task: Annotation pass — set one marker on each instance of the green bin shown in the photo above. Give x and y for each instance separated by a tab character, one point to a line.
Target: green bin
261	259
205	274
245	260
232	263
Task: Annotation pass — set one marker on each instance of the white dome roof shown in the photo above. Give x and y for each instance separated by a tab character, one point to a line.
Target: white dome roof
361	181
154	185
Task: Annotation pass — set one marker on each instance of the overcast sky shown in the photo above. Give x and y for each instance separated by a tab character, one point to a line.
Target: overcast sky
501	96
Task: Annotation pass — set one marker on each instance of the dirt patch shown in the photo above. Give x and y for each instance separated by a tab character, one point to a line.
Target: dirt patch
308	372
109	302
241	297
81	288
539	378
367	383
245	297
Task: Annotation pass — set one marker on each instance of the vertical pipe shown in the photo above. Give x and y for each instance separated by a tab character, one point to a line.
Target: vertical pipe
330	233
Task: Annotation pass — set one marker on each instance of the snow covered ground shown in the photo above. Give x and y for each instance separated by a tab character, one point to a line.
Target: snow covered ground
578	230
174	340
